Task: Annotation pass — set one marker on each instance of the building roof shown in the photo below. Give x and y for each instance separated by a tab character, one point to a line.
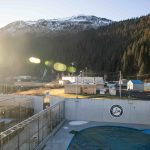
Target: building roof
136	81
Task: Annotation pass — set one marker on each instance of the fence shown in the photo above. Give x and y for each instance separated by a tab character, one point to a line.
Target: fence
32	132
14	109
8	88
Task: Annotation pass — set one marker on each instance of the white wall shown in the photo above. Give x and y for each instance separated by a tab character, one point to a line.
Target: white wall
138	87
130	85
147	87
37	103
55	99
135	111
97	80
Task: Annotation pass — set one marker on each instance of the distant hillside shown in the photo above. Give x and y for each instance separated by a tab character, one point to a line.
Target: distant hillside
121	45
73	24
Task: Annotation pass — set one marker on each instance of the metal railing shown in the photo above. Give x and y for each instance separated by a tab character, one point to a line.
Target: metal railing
13	110
29	134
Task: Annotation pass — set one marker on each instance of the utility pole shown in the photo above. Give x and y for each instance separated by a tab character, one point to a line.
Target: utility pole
77	86
44	73
86	71
120	84
137	76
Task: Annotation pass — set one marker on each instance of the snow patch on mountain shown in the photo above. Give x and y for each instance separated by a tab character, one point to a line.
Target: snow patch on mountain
74	23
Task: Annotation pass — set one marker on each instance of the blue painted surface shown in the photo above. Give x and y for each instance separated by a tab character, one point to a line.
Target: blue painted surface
111	138
147	131
136	81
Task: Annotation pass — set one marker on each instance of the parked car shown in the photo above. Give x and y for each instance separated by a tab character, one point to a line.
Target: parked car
111	84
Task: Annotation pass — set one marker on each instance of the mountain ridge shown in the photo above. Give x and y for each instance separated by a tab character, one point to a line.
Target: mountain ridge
123	45
74	23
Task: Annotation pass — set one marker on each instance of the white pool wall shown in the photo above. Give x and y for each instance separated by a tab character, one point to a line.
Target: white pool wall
134	111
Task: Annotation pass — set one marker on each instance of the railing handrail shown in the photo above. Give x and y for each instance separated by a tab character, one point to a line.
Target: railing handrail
28	120
12	97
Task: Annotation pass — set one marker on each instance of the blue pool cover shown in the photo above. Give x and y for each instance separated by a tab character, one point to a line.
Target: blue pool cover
110	138
147	131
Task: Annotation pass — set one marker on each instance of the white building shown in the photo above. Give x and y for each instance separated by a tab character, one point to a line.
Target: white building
84	80
124	82
146	87
136	85
84	85
71	79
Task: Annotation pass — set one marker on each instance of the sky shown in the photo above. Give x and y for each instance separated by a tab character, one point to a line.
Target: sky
116	10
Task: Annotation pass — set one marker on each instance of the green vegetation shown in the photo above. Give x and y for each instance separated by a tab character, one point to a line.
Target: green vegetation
122	46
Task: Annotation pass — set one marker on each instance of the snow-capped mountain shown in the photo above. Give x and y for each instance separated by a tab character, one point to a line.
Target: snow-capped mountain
74	23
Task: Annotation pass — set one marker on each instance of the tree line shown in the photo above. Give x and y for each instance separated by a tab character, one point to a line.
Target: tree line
123	45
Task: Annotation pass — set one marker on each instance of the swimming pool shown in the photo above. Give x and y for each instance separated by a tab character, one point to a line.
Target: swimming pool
110	138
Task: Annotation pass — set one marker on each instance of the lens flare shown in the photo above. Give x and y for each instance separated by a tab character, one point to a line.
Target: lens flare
48	63
71	69
34	60
60	67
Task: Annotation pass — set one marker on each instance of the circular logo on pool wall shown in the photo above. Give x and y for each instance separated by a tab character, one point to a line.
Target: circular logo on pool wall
116	110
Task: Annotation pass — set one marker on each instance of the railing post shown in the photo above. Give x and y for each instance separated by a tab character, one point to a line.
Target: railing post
63	109
19	113
59	113
28	135
38	131
51	122
1	143
18	140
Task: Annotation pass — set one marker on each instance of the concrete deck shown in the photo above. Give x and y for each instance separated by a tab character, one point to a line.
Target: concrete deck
62	138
